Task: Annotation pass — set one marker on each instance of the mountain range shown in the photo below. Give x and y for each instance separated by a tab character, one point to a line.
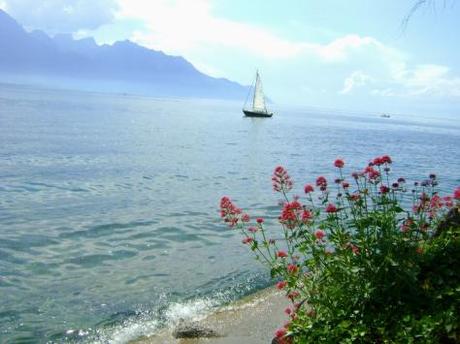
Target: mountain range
61	61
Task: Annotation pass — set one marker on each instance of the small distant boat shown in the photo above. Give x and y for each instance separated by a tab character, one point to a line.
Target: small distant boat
257	108
385	115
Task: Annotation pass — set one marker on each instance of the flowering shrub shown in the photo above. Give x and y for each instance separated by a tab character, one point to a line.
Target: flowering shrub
366	259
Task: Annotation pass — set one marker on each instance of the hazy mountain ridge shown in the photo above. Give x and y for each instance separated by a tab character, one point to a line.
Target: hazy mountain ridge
123	66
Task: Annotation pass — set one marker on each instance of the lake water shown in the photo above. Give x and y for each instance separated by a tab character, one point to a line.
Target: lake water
109	222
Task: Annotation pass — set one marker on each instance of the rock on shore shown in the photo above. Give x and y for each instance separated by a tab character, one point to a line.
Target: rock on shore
252	320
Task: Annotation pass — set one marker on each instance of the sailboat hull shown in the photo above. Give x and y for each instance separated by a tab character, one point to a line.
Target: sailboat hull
249	113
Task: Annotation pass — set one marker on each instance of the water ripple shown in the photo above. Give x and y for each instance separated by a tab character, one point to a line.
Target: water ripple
109	219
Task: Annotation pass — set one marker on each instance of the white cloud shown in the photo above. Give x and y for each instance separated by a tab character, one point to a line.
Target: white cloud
192	30
339	49
427	80
181	26
356	79
390	73
431	79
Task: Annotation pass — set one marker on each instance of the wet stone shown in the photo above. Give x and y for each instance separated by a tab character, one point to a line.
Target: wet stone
194	330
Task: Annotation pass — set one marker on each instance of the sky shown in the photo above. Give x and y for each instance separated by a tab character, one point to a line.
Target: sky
354	54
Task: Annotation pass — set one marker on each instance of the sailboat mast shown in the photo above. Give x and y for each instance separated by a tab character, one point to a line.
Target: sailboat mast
256	84
258	102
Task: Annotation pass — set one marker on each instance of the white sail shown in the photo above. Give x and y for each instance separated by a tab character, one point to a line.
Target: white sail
258	102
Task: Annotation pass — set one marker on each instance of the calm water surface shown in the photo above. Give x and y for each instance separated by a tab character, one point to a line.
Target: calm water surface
108	203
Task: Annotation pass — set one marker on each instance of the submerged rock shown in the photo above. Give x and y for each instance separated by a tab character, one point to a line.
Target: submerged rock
194	330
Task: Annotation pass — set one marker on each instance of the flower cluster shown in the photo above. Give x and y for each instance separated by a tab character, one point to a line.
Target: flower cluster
281	180
321	182
229	212
366	221
293	213
339	163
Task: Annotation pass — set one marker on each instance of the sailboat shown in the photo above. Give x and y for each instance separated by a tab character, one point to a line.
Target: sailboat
258	107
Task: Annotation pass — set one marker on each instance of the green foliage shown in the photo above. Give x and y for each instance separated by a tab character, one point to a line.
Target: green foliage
363	269
390	296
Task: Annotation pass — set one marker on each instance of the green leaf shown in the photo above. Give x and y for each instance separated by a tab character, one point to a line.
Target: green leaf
345	324
398	209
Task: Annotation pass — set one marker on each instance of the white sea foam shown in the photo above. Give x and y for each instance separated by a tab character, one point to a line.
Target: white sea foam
192	310
148	323
125	332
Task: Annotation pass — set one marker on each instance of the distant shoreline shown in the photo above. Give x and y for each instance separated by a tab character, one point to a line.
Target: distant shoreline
50	87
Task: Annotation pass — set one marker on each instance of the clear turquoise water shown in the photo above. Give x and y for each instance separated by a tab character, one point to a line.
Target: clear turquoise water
108	203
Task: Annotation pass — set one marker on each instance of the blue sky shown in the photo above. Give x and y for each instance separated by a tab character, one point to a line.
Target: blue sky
331	53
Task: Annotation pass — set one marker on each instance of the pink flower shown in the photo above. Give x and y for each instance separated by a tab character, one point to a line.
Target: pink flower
386	159
288	311
382	160
253	229
280	333
281	285
245	218
260	220
293	294
345	185
320	234
377	161
281	180
306	216
224	200
292	268
229	212
281	254
384	189
435	202
339	163
373	175
290	213
321	181
354	249
457	193
331	208
308	188
247	240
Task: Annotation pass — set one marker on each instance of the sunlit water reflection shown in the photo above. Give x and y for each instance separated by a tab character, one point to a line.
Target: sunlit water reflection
108	204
